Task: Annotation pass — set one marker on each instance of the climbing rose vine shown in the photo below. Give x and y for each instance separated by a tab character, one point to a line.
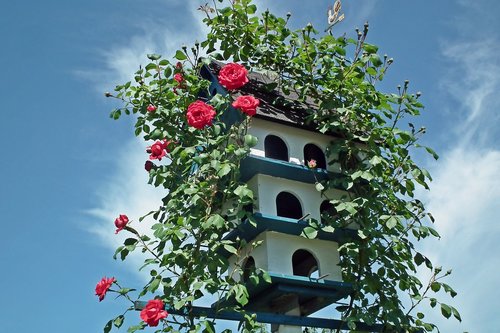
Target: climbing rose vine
204	125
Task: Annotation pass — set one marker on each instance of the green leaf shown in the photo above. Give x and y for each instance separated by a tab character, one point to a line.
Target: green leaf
456	314
151	66
375	60
391	222
118	321
153	56
309	232
242	191
215	220
241	294
266	276
108	326
230	249
435	286
250	140
369	48
179	55
446	310
432	152
449	290
224	170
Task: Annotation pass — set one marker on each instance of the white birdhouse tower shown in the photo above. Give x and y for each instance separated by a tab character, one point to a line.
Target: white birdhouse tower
305	273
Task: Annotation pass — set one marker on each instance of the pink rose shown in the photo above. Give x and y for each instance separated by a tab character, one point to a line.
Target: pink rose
233	76
311	163
103	286
247	104
151	108
158	150
200	114
179	78
153	312
120	223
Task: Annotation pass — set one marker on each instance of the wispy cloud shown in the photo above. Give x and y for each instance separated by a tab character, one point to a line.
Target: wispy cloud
465	194
472	80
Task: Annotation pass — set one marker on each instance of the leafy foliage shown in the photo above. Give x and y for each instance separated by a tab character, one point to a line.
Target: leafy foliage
335	78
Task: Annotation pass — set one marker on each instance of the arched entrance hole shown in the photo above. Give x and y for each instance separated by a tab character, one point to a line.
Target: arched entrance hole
304	263
275	147
287	205
313	152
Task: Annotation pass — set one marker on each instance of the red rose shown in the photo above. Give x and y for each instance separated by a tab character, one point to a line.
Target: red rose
179	78
120	223
153	312
200	114
178	65
233	76
247	104
151	108
158	150
103	286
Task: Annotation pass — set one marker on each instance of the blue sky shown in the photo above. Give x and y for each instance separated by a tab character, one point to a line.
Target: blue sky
68	170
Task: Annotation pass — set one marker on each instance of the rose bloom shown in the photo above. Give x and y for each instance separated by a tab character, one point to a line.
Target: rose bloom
149	166
200	114
103	286
120	223
311	163
158	150
247	104
179	78
151	108
233	76
153	312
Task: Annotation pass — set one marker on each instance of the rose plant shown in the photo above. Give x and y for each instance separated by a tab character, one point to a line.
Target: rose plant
336	79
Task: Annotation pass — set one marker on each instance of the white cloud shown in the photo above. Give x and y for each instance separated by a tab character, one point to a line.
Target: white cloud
126	192
119	62
465	194
465	200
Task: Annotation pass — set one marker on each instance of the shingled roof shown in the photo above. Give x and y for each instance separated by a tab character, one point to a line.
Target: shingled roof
274	104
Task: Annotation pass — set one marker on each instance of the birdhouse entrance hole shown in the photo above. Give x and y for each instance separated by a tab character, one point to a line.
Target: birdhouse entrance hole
328	211
248	268
287	205
313	152
275	147
304	264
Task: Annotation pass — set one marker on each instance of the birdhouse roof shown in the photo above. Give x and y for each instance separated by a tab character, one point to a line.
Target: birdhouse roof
275	105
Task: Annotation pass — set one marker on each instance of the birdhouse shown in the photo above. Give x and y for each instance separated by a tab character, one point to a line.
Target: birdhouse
305	273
